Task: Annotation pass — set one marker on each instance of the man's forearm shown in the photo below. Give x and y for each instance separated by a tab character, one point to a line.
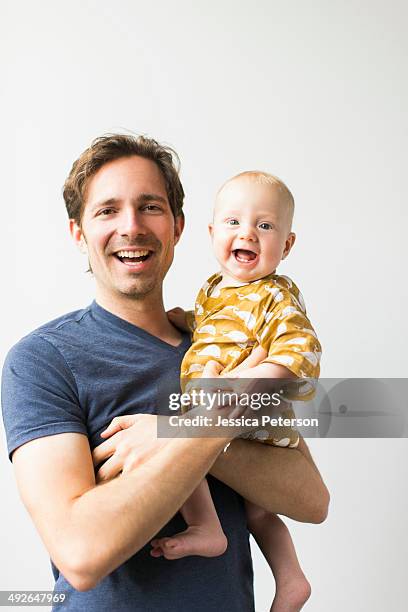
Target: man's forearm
281	480
89	533
138	504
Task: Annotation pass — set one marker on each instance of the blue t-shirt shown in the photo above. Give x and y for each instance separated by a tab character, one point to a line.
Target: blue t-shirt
76	374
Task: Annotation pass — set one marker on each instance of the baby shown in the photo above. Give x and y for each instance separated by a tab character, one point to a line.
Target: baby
243	306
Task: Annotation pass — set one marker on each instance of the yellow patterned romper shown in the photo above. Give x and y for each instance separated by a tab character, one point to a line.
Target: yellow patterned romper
230	321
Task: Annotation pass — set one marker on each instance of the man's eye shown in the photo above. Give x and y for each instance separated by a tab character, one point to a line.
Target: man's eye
266	226
152	208
106	211
232	222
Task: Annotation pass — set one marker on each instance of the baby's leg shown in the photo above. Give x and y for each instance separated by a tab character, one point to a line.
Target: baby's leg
204	535
273	538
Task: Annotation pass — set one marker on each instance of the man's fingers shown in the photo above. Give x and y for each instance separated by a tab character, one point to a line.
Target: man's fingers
176	310
110	430
178	317
102	452
176	314
110	469
117	424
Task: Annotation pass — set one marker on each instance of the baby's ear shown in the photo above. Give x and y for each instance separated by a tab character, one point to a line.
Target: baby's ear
211	229
290	241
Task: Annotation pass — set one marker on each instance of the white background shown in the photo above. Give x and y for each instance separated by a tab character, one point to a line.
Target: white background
315	92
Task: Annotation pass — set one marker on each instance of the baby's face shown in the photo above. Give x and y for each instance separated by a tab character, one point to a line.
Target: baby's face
251	230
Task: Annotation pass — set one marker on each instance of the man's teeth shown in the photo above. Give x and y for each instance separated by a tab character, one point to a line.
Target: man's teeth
131	254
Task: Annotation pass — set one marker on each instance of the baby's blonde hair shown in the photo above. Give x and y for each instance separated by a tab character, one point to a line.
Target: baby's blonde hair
266	178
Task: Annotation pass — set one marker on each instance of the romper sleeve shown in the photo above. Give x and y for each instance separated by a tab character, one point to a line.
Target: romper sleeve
286	333
190	320
39	393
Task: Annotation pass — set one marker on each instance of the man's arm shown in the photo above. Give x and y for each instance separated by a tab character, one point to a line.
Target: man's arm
281	480
88	529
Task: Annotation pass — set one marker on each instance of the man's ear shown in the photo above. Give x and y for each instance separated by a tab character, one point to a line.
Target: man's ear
178	227
290	241
78	236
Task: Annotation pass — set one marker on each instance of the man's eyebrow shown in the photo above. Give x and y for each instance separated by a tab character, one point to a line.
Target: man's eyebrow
149	197
108	202
141	198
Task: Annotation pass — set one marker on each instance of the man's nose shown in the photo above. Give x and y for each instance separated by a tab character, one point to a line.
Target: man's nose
131	223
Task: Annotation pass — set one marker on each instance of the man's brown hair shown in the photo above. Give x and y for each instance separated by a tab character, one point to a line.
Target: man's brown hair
116	146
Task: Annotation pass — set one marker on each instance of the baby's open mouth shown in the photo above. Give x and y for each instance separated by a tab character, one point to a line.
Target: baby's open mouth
132	257
244	256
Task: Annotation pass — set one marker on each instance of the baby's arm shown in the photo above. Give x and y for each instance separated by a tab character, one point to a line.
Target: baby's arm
263	370
184	320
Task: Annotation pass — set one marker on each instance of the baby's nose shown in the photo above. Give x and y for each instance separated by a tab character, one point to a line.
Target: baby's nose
247	233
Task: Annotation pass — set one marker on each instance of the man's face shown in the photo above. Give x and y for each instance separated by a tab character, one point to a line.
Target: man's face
128	228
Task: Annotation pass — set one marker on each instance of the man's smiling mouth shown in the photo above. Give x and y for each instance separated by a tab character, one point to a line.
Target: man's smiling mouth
245	256
133	257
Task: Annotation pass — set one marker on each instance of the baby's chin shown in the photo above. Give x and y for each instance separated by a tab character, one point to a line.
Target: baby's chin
245	276
246	266
255	277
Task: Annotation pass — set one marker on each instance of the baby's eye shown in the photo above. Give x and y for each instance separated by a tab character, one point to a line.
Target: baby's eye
232	222
266	226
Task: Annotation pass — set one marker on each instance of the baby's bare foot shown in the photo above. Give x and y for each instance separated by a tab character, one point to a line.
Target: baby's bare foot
291	595
193	541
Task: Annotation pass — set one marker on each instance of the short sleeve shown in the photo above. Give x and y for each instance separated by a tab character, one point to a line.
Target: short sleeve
39	394
190	320
285	332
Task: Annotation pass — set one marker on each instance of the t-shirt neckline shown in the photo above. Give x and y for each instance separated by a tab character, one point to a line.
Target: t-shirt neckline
101	313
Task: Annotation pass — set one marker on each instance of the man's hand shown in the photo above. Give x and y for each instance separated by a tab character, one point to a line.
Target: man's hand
131	440
179	318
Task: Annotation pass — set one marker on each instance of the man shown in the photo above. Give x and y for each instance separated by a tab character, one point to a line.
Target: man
65	382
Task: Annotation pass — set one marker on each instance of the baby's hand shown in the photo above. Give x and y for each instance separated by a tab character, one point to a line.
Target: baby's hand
254	359
178	317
